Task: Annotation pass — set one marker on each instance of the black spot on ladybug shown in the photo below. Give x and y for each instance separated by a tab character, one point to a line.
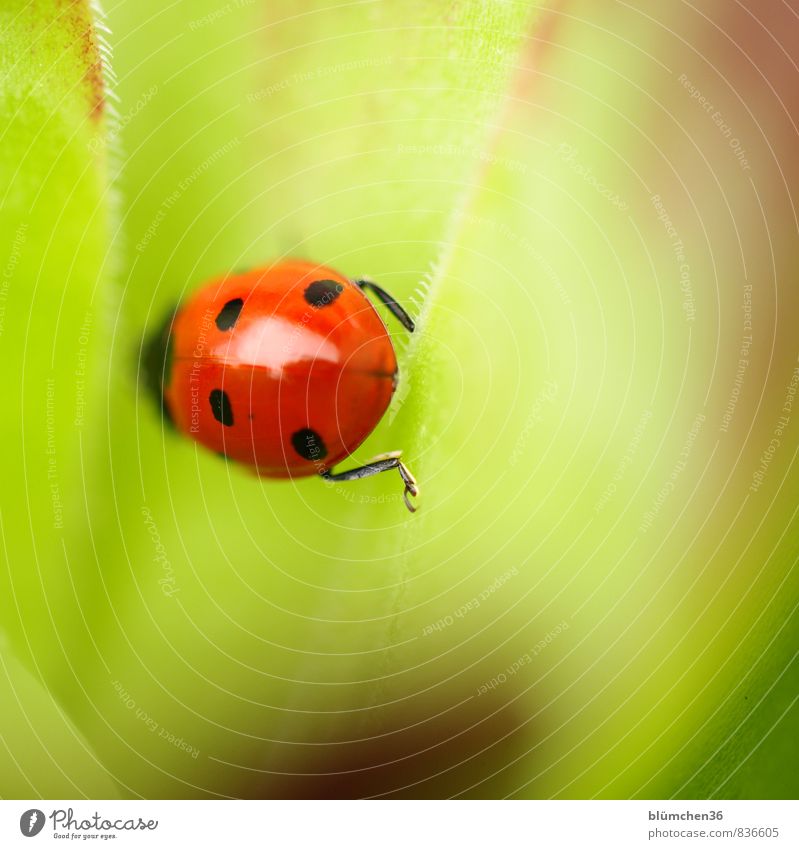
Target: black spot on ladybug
220	407
308	444
323	292
229	314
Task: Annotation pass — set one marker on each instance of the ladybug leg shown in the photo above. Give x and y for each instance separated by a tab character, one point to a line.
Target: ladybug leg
393	307
381	463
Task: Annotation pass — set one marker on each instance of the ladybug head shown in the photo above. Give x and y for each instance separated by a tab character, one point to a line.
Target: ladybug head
156	362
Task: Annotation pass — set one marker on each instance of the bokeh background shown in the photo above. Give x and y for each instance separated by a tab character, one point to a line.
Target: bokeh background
591	208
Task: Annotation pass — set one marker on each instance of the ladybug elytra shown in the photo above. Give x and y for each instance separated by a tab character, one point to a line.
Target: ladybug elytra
286	369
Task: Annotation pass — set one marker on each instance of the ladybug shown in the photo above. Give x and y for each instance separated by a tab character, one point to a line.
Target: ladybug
285	369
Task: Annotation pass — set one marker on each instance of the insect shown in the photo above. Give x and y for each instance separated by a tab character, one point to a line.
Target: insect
286	369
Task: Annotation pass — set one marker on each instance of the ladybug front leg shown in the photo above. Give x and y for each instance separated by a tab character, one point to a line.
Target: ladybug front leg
394	308
381	463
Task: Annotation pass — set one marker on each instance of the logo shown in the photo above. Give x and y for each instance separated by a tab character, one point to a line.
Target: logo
65	824
31	822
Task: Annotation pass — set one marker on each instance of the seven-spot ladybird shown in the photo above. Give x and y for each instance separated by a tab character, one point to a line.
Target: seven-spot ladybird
286	368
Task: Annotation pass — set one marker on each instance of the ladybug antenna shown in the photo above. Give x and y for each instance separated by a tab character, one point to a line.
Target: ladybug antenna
388	301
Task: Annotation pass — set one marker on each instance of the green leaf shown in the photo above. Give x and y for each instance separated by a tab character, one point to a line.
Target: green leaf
247	618
54	220
572	419
596	597
54	265
42	754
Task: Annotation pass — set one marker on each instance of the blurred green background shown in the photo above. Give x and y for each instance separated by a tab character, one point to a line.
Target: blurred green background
591	207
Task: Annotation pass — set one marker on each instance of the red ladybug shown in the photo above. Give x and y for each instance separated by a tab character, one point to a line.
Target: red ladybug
286	369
